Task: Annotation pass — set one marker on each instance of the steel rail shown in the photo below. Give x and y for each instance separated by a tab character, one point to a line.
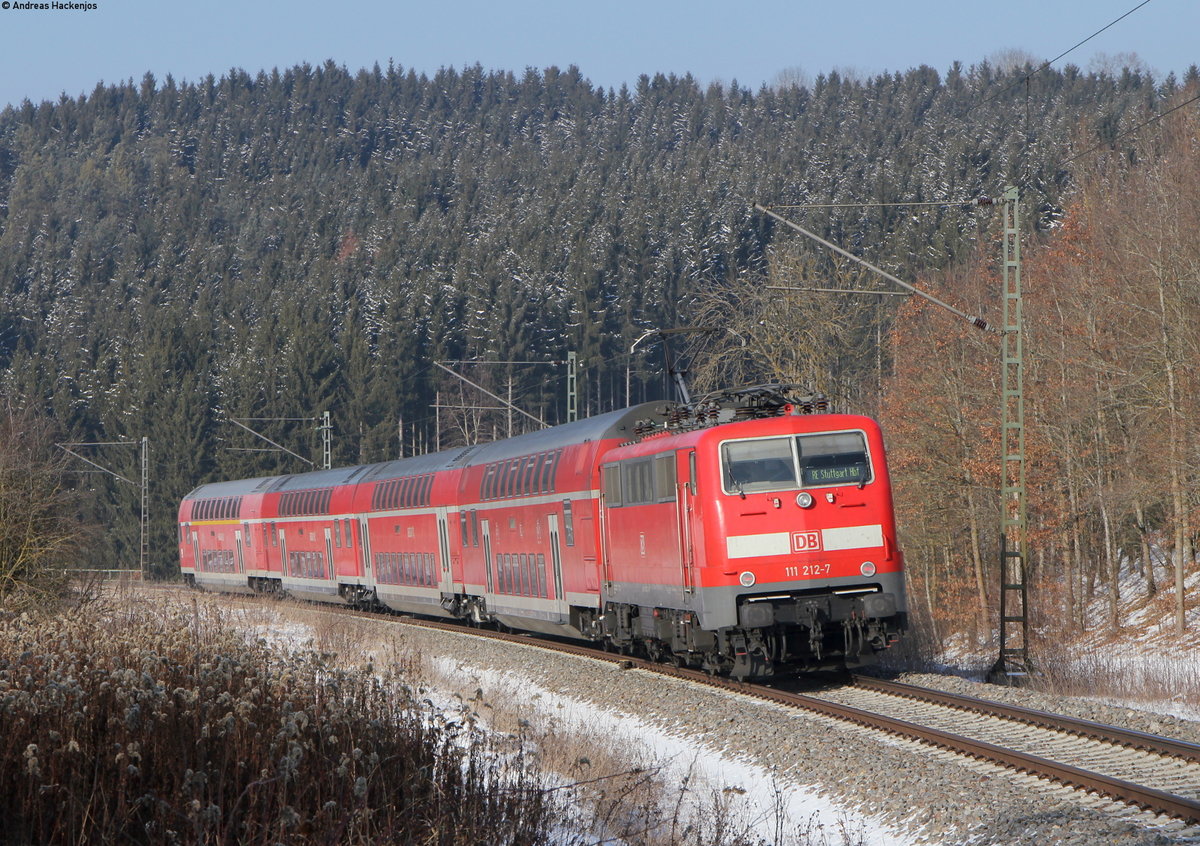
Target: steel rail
1147	798
1129	793
1140	796
1129	738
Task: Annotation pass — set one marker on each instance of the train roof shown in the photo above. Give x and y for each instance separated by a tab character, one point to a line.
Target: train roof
614	424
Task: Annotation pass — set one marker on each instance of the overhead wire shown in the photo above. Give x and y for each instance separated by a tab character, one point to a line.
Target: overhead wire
1023	80
1128	132
875	205
1045	65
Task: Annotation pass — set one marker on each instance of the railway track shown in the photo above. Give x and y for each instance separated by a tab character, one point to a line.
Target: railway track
1148	772
1156	774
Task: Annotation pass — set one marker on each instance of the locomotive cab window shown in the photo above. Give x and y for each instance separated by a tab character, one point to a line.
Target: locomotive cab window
766	464
803	461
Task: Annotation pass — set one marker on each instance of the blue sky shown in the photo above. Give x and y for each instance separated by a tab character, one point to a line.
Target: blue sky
46	52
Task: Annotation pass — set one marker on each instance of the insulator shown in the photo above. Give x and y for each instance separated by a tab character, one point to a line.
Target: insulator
644	427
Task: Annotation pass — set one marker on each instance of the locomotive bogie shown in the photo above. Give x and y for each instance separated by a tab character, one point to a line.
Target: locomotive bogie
742	548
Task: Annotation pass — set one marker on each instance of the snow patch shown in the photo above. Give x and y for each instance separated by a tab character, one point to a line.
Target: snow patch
767	804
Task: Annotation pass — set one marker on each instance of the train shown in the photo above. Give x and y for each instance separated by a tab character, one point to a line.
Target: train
749	534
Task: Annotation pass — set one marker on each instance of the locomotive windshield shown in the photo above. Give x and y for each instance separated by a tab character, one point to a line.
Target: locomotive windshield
804	461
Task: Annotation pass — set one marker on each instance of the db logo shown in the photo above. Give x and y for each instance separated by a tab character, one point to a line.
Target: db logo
806	541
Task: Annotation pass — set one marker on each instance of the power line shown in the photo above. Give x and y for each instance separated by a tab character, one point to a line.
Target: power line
1094	34
876	205
977	322
478	361
479	387
1024	79
1046	65
1127	132
237	422
838	291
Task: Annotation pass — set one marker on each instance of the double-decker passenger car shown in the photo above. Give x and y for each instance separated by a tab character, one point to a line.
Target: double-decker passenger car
744	539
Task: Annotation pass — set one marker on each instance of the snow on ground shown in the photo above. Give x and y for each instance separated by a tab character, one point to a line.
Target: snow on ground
283	634
1146	665
1146	615
1182	706
1139	666
750	794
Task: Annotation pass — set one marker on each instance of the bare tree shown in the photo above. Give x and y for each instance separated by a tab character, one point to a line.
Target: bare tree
1010	59
39	530
793	76
939	413
1148	224
1113	64
810	322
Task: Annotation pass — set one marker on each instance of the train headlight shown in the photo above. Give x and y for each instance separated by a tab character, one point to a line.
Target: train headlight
804	499
867	569
746	578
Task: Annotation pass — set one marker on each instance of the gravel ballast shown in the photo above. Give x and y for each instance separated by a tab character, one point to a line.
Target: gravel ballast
1073	706
925	794
921	791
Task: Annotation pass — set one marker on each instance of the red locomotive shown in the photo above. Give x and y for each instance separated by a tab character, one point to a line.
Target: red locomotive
739	535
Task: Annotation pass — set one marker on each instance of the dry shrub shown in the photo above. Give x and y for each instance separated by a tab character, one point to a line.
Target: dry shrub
40	534
167	726
1126	678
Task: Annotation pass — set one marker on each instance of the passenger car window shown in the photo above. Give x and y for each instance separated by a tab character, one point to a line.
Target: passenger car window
612	485
664	477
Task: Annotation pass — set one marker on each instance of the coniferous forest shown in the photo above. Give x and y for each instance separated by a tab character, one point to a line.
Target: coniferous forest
177	255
